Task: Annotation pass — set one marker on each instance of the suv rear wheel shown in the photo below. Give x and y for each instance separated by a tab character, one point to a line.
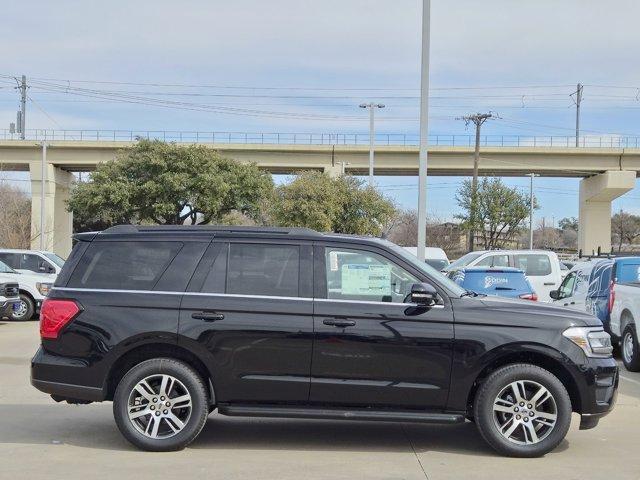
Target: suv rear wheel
630	349
522	410
161	405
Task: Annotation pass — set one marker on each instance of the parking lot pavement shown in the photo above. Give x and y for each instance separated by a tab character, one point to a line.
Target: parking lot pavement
42	439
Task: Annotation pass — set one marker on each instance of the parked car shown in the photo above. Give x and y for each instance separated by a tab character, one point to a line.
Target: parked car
624	302
171	323
541	267
32	261
8	298
33	288
436	257
503	282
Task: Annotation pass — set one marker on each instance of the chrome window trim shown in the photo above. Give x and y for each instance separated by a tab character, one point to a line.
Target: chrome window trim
231	295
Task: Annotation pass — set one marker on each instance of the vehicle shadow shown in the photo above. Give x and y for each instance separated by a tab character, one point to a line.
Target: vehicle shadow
92	426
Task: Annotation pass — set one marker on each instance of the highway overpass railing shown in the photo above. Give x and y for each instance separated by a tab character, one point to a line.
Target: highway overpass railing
283	138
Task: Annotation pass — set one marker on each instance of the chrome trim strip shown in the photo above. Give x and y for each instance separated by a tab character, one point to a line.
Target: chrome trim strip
232	295
193	294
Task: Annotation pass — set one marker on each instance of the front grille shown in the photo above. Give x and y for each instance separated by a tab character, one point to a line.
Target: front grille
10	290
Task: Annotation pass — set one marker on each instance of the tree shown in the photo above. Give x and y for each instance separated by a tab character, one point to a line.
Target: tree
403	230
169	184
568	223
625	227
15	217
342	205
500	211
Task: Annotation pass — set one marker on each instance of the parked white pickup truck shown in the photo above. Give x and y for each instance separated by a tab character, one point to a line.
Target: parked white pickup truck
625	311
33	290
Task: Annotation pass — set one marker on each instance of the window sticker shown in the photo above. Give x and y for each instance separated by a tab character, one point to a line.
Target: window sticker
364	279
333	261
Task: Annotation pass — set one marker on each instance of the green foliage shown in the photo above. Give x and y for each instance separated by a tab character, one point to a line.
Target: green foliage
165	183
568	223
342	205
500	211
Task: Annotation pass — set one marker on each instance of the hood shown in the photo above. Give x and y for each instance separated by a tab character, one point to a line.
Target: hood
539	311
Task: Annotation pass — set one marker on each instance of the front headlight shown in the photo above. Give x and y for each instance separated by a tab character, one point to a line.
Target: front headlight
44	288
593	341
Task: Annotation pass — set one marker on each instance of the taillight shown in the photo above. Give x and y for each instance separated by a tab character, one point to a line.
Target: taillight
612	295
529	296
55	314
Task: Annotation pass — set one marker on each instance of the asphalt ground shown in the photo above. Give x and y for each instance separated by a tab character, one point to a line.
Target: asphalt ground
40	439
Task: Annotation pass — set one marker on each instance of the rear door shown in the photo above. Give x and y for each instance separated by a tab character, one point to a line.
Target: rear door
371	348
539	270
248	312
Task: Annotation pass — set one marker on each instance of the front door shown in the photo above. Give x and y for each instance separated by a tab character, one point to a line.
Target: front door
371	347
248	313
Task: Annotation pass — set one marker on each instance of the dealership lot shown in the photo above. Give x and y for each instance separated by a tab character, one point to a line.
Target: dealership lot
42	439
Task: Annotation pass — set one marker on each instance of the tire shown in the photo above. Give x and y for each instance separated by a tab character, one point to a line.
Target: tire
537	436
178	424
630	350
27	309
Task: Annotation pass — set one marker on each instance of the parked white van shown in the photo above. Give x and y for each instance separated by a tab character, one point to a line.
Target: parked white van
541	267
435	257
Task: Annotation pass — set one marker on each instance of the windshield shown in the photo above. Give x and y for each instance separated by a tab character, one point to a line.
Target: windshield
464	260
452	286
54	258
4	268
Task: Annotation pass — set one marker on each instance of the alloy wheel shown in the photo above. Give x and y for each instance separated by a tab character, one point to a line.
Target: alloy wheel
627	347
525	412
159	406
21	311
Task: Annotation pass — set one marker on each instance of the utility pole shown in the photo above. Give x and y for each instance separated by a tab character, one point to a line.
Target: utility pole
22	114
532	175
478	120
372	135
424	130
578	102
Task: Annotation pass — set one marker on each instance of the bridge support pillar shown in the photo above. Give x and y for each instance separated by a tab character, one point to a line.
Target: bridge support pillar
596	195
58	223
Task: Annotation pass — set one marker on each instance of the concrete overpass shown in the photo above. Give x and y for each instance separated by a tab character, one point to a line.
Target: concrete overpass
607	173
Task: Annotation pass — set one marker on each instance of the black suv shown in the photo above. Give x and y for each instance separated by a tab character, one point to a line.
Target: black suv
171	323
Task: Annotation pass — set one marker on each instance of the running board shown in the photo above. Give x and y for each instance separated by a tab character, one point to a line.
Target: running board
276	411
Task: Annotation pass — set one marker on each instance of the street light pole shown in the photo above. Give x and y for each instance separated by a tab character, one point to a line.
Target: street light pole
424	130
532	175
372	135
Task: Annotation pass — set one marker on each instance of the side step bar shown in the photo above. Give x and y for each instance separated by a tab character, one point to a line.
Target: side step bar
276	411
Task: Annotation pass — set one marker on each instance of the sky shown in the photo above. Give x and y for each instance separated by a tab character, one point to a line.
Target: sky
305	66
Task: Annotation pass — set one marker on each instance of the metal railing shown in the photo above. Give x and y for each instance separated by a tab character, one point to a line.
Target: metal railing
403	139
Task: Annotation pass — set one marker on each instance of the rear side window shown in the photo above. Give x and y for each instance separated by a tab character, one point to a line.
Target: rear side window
11	259
263	269
533	265
124	265
628	272
489	282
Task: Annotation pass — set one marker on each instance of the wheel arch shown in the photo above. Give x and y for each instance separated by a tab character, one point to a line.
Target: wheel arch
534	357
148	351
626	318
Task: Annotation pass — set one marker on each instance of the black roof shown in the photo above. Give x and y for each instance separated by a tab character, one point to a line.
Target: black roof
226	230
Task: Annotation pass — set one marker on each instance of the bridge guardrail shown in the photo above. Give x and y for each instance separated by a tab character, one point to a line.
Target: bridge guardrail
282	138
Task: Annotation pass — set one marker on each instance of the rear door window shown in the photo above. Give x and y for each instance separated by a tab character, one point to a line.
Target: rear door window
124	265
262	269
628	272
534	265
11	259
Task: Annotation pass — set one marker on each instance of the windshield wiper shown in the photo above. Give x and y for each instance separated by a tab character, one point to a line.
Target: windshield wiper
468	293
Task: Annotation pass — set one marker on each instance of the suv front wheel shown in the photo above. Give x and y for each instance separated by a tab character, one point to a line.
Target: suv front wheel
522	410
161	405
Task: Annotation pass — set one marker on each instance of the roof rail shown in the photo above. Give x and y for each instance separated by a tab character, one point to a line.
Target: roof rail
210	228
600	254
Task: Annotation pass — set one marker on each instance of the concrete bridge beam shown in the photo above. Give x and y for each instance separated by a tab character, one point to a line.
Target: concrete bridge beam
596	194
58	223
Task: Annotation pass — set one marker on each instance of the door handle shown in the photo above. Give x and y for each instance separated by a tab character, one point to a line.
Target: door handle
338	322
207	316
549	283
